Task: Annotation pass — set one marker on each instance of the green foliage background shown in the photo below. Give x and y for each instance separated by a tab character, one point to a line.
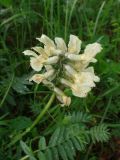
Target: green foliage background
96	118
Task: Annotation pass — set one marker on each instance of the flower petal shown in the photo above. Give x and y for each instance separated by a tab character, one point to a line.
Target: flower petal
49	73
66	101
37	78
62	97
58	91
73	57
80	91
46	41
65	82
90	51
48	83
40	50
84	79
74	45
30	53
70	70
93	60
48	67
91	70
52	60
36	63
60	44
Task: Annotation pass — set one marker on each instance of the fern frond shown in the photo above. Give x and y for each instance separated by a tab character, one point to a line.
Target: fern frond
99	133
64	142
77	117
70	137
80	117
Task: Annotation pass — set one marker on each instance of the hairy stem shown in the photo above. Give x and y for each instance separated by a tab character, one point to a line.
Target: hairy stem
36	121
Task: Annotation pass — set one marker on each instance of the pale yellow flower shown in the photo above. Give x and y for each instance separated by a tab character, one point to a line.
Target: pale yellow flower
90	52
52	60
63	64
74	45
49	45
59	47
65	100
81	61
40	50
36	61
80	82
80	91
38	78
60	44
83	83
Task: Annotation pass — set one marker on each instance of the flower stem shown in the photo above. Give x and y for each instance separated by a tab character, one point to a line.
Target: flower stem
36	121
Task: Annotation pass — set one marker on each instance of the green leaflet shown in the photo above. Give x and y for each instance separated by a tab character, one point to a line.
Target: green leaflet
54	137
42	143
99	133
41	155
27	150
71	137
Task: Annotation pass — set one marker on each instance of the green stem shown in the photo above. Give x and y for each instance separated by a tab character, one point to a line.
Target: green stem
7	91
36	121
27	156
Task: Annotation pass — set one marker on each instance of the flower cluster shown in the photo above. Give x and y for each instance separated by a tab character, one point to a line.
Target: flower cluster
60	66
